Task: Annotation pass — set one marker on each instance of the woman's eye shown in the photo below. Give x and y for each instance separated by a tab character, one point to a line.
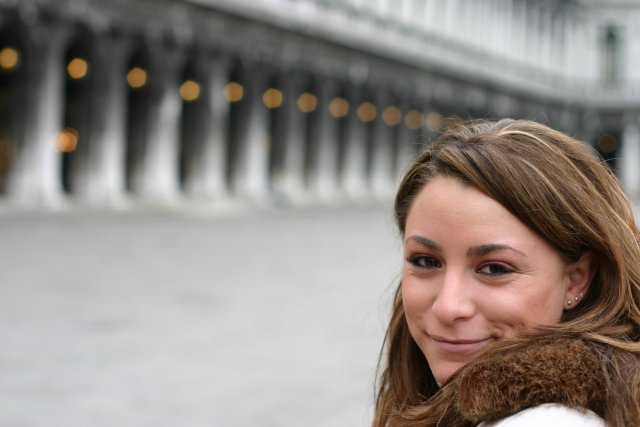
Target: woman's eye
494	269
424	261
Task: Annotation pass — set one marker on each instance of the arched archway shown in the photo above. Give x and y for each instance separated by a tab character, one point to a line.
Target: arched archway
235	94
74	141
192	135
12	87
138	100
204	124
608	145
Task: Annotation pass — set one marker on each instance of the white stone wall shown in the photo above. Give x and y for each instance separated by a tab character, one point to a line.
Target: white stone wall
539	46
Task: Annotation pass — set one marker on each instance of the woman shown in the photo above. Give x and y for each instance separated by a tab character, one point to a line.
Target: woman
519	302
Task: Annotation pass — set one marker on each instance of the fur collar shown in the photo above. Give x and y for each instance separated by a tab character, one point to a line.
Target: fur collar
550	370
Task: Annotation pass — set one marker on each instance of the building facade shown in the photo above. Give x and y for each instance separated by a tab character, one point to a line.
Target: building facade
170	102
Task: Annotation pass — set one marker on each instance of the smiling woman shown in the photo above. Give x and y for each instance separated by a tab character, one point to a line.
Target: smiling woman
520	292
482	276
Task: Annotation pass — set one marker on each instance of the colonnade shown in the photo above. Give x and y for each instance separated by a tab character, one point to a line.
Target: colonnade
232	109
101	120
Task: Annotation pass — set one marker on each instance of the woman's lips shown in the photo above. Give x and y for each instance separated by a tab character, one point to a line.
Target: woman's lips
451	345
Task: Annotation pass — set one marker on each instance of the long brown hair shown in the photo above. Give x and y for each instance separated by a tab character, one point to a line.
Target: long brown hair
559	188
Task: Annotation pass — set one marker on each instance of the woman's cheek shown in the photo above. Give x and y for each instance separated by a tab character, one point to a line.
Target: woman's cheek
415	298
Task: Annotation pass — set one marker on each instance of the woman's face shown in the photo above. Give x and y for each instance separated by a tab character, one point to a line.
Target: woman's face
473	275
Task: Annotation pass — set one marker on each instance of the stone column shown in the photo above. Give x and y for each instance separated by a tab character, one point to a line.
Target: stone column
436	10
582	46
467	18
503	104
632	57
449	12
35	175
323	145
293	137
486	25
535	35
431	12
558	42
207	166
592	49
568	120
528	24
251	173
518	44
569	52
572	48
382	177
510	29
629	159
405	7
99	178
356	142
548	38
159	179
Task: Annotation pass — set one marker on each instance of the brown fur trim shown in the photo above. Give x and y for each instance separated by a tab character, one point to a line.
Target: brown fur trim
551	370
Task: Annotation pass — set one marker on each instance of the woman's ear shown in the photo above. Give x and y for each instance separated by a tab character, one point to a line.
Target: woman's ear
579	276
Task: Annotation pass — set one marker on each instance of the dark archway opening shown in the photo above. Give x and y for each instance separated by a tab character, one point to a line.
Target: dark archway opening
608	145
235	94
73	140
191	137
274	100
138	101
339	108
308	102
12	92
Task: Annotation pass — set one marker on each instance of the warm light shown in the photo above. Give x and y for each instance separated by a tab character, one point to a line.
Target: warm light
190	90
77	68
413	119
9	58
7	150
136	78
307	102
392	116
366	112
233	92
433	121
339	107
272	98
607	143
67	140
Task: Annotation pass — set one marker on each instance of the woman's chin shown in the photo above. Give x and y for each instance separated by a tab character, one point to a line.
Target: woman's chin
442	374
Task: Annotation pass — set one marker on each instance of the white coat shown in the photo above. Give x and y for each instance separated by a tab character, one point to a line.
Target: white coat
549	415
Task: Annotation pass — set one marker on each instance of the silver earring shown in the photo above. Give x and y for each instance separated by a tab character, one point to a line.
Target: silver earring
568	302
579	296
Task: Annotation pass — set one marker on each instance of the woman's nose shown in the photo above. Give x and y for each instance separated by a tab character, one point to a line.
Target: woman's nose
453	301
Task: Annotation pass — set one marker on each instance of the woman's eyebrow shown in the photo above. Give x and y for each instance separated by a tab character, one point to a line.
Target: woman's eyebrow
479	250
482	250
428	243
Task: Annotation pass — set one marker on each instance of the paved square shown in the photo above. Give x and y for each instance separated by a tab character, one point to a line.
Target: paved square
157	319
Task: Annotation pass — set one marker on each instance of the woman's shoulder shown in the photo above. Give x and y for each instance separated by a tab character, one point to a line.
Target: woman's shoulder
549	415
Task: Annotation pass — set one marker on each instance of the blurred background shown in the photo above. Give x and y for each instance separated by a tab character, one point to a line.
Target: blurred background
195	195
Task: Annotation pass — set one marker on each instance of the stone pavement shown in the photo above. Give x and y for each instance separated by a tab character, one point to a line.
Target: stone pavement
161	319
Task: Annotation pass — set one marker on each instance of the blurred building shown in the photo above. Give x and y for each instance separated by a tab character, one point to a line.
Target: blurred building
104	102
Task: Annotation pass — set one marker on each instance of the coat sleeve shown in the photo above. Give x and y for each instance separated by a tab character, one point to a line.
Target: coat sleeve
549	415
